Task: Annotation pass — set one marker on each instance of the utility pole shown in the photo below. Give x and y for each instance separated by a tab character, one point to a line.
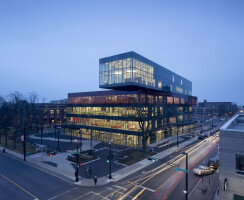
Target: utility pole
186	189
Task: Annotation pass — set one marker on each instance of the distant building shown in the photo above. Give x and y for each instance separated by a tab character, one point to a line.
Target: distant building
52	113
208	109
231	171
136	82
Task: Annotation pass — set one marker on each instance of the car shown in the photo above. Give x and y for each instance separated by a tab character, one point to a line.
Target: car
217	156
213	163
206	134
200	137
203	170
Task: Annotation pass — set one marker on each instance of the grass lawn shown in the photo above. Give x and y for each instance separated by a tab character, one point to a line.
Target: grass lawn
134	156
19	146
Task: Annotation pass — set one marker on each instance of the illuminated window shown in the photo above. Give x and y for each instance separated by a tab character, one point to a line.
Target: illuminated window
179	89
180	117
159	84
171	88
182	101
169	100
181	82
190	109
173	78
176	100
180	109
172	120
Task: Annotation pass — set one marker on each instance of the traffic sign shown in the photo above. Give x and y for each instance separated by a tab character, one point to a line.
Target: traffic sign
22	138
180	169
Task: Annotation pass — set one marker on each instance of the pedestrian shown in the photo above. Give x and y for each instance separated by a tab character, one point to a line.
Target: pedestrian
95	180
90	169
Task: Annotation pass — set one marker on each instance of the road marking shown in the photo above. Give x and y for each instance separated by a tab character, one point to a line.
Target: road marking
139	194
17	185
62	193
82	195
194	188
140	186
99	195
122	188
35	166
114	190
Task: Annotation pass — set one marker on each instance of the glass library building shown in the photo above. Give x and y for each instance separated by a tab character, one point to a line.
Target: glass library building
133	82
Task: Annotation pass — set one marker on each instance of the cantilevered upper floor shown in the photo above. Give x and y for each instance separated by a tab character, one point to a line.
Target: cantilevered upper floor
130	71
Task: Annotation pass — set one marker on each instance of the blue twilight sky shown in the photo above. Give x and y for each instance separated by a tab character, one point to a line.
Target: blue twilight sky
53	46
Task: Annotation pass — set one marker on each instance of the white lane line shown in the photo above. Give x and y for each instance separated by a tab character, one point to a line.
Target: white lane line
122	188
194	188
114	190
99	195
82	195
62	193
149	189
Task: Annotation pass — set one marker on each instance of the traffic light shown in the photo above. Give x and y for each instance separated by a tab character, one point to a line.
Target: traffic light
108	160
152	159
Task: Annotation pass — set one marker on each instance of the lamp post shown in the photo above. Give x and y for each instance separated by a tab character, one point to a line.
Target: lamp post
91	138
77	163
186	189
24	143
177	136
55	127
58	137
81	143
110	160
41	133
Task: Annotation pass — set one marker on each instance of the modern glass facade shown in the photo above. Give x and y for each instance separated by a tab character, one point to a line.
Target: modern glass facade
137	83
133	70
107	115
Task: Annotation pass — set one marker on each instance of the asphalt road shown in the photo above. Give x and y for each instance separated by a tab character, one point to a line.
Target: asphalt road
21	181
157	181
161	181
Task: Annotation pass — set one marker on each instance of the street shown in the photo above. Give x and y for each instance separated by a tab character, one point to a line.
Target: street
157	181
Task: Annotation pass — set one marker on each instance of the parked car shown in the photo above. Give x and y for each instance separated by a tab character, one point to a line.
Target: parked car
206	134
203	170
201	136
213	163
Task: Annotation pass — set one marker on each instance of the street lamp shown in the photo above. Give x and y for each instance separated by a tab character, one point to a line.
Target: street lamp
186	189
41	133
58	137
77	163
178	136
110	160
80	131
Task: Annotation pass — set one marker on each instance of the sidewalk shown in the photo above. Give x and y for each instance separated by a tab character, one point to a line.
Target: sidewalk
86	144
59	165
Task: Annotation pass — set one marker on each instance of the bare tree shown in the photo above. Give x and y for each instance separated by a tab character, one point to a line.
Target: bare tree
33	100
145	116
18	109
5	118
